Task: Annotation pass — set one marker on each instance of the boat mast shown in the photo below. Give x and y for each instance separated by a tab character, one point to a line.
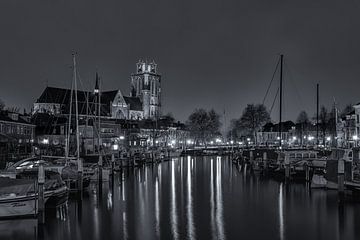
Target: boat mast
317	114
99	111
76	110
67	139
281	90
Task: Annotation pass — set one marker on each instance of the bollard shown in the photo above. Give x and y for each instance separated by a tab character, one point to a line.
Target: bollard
100	163
41	200
251	157
80	178
287	167
341	179
112	167
307	172
265	160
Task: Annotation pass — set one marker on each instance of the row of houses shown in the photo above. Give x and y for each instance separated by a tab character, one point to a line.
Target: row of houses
341	131
107	120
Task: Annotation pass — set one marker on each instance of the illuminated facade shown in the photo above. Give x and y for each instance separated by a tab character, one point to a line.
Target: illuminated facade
144	101
146	85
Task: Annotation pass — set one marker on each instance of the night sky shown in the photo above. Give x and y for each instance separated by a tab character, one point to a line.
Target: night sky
211	53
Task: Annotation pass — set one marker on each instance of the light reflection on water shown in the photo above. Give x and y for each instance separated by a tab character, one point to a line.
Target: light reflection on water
195	198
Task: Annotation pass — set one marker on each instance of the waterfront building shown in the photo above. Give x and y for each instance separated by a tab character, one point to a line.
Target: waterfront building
269	134
146	85
116	111
16	135
144	101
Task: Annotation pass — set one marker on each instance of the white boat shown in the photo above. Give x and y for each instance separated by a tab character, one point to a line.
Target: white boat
18	198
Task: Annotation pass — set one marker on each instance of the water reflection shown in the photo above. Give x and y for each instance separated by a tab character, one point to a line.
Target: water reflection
189	207
195	198
219	201
173	215
281	212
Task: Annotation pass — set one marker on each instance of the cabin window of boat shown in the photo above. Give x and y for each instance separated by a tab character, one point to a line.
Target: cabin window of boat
299	155
350	155
312	155
306	155
292	155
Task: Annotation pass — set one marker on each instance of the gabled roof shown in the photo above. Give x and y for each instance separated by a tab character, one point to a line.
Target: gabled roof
62	96
134	102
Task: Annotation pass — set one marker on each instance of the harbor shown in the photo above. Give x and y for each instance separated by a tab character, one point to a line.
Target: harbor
206	197
213	120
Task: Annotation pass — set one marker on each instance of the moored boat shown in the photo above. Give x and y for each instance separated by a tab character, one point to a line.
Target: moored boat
17	198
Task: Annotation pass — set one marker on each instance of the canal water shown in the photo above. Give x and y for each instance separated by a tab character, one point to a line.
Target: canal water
195	198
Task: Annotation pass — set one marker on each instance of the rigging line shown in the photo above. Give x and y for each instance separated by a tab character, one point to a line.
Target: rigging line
272	79
276	95
287	69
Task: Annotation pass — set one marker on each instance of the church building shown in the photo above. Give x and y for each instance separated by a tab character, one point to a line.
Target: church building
144	101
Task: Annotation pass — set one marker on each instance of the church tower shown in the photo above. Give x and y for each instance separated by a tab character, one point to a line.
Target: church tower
146	84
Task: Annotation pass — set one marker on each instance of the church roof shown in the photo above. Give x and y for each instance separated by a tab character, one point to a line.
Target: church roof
134	102
62	96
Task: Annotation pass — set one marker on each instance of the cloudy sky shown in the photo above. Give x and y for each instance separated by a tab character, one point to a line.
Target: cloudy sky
211	53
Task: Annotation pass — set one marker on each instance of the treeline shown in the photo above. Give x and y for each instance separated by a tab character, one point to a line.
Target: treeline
204	126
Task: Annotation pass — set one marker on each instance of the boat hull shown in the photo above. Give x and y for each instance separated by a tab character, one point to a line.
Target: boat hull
18	207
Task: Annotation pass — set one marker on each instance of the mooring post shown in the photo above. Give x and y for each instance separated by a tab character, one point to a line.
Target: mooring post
41	200
133	160
307	172
265	160
112	167
100	163
251	156
287	167
80	178
341	179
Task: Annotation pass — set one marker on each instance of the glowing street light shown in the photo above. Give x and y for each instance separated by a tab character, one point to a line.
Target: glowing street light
328	139
355	137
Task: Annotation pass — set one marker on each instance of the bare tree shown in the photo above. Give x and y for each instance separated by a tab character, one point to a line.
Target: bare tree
204	125
303	123
347	109
323	122
251	121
